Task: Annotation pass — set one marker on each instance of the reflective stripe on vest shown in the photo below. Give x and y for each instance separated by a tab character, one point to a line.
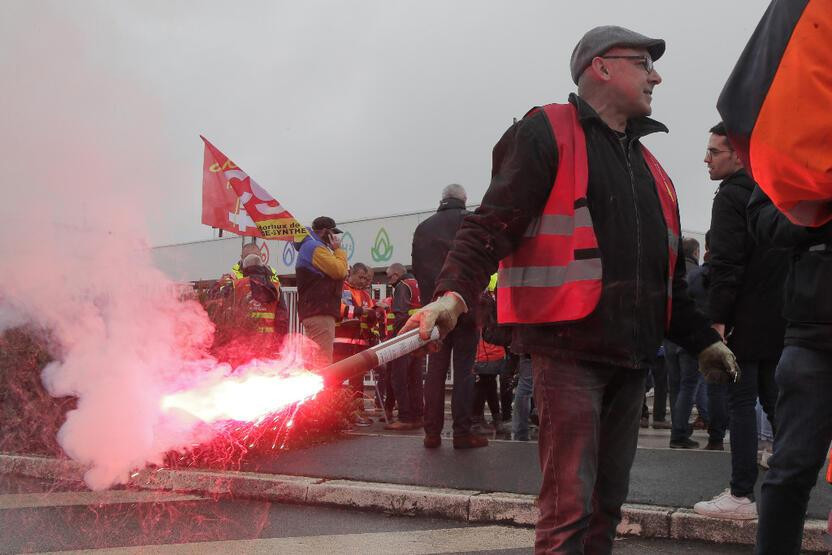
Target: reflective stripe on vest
262	315
559	224
555	274
549	276
351	341
353	329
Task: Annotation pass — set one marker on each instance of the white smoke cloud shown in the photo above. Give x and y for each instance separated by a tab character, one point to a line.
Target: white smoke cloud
78	196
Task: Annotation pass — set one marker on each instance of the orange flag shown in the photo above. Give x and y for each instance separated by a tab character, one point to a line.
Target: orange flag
776	108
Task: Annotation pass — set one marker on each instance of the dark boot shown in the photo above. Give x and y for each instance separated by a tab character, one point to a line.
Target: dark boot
470	441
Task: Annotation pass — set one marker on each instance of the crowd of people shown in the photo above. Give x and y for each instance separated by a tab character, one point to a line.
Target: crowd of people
340	315
572	281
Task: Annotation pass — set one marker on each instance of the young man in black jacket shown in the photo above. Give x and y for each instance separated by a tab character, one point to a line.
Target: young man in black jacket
804	376
431	242
594	190
745	302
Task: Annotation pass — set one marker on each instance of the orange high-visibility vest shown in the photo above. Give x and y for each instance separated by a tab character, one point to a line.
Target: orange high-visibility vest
555	273
354	329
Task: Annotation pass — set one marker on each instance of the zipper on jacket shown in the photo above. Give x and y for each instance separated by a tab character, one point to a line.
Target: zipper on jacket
629	143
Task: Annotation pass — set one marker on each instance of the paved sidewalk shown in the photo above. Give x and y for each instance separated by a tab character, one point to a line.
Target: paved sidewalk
665	477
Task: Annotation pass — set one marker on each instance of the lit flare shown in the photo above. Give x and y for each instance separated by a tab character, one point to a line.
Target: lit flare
245	398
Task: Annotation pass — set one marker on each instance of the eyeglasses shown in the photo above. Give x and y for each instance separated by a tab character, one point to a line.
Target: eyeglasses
646	61
712	152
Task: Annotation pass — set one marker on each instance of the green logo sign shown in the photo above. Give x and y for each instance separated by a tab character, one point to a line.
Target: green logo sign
382	249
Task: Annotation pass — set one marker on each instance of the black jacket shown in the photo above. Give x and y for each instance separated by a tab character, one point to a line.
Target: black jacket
628	325
320	273
746	280
431	243
808	296
699	278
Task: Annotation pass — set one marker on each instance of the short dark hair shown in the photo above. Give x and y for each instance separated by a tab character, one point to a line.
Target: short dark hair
360	267
719	129
397	267
689	246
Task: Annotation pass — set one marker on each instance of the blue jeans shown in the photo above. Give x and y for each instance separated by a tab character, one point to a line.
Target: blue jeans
690	383
757	380
671	364
803	432
764	430
462	344
674	379
522	400
589	421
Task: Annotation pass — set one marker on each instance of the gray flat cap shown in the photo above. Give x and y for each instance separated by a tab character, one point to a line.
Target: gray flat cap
600	39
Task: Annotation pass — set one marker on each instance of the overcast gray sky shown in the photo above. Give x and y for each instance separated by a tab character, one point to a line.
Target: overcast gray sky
350	109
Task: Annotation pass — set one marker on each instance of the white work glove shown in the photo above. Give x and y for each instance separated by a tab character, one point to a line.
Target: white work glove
718	364
441	313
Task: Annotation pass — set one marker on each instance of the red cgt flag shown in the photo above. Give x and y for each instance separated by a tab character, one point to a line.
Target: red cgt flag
233	201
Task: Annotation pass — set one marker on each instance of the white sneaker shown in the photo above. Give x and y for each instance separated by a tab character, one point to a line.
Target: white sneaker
727	506
765	455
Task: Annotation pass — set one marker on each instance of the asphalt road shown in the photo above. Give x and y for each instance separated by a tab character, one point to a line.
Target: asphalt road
43	516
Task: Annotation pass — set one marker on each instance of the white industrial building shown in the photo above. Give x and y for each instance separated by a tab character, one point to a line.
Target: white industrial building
377	242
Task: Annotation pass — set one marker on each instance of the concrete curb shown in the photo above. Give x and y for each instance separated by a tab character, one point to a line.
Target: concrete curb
466	505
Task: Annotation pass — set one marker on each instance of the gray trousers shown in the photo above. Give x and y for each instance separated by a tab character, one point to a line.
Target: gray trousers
321	330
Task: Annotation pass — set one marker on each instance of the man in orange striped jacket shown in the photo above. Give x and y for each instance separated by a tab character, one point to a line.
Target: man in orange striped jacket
357	327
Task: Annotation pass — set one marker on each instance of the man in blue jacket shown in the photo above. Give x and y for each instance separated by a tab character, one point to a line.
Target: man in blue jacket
320	270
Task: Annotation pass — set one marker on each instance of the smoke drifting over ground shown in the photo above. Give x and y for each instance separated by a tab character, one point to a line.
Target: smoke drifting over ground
73	250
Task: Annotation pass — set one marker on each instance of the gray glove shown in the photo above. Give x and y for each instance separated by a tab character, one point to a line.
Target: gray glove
718	364
442	313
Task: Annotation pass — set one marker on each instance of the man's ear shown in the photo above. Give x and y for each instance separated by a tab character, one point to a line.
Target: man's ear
599	68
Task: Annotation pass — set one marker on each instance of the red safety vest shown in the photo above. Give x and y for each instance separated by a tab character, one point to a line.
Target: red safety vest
415	303
261	313
555	273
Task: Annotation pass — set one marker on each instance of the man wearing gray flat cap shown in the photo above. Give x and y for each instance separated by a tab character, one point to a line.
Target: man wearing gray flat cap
583	223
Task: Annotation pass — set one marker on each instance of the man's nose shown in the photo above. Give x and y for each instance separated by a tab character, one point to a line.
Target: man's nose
654	77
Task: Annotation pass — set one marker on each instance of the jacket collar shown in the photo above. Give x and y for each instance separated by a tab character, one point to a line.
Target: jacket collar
741	178
636	127
450	203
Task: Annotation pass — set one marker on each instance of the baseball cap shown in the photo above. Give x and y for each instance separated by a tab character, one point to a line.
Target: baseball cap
598	40
325	222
